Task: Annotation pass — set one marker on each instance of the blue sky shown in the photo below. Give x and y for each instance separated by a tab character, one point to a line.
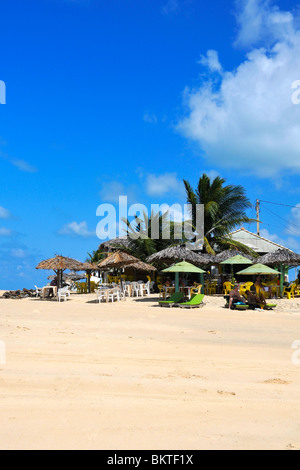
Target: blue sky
105	98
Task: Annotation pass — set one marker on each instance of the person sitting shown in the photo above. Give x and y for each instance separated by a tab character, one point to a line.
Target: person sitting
235	297
262	288
254	300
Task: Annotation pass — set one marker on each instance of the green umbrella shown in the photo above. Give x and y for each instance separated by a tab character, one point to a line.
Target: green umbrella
182	267
238	259
259	269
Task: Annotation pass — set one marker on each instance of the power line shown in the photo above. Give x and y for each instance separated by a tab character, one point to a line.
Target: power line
287	223
278	204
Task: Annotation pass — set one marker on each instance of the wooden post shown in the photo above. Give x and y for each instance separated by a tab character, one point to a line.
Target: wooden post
281	279
257	216
88	281
202	282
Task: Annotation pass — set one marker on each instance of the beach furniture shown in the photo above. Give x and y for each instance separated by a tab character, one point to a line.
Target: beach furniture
174	299
241	306
46	290
269	306
63	293
236	305
196	290
290	291
145	288
227	288
196	301
244	287
135	289
38	291
115	294
212	288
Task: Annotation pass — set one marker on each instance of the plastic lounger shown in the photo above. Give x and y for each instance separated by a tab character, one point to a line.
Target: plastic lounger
269	306
241	307
175	298
196	301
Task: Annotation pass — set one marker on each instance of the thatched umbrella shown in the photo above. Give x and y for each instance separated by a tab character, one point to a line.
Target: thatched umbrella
59	264
281	258
116	244
68	276
141	266
118	259
88	268
179	253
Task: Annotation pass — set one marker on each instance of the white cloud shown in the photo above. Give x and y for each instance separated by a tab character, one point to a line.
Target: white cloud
248	120
4	213
112	190
259	20
172	6
211	60
294	221
290	242
150	118
77	229
23	166
5	232
167	183
212	174
18	253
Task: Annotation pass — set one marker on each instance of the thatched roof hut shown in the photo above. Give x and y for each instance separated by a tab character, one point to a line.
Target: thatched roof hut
74	276
280	257
118	259
116	244
180	253
227	254
60	263
141	266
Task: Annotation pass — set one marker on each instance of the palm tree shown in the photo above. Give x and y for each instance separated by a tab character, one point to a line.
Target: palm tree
95	257
143	244
224	210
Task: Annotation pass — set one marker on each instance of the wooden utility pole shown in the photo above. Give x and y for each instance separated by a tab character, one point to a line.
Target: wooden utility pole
257	216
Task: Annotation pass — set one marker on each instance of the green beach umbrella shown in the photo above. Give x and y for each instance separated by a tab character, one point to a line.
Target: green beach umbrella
235	260
258	269
182	267
238	259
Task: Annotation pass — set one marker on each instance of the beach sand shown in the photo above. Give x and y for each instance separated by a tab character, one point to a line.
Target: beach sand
133	376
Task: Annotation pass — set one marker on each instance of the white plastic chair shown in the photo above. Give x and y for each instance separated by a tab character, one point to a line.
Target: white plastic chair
135	289
38	291
63	293
101	295
127	288
146	288
114	294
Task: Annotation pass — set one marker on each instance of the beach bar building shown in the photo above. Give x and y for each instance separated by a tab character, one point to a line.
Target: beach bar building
261	245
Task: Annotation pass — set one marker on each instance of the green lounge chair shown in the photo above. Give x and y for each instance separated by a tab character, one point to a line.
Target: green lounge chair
269	306
241	306
174	299
196	301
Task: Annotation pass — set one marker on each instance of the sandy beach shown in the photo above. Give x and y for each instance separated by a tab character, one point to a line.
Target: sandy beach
133	376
